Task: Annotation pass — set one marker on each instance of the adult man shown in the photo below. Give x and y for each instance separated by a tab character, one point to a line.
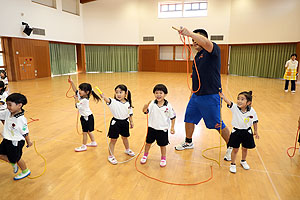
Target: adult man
205	101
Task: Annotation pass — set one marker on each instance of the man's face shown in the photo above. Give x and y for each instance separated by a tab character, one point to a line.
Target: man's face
196	45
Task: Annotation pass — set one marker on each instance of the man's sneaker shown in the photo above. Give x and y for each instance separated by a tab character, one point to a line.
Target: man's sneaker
232	168
81	148
144	159
15	168
22	175
245	165
129	152
92	144
112	160
227	156
163	163
184	146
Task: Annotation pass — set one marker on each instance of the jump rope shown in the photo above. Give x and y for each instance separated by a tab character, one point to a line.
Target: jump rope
294	147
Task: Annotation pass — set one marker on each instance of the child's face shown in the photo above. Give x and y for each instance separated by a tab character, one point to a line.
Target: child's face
1	74
159	95
120	94
82	93
242	101
13	107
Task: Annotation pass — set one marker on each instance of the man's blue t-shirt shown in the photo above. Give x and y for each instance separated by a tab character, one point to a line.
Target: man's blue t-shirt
209	66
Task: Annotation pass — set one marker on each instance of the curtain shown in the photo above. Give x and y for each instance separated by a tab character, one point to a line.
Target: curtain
62	58
111	58
260	60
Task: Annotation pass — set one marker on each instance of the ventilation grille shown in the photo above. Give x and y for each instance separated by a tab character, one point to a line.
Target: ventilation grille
38	31
148	38
217	37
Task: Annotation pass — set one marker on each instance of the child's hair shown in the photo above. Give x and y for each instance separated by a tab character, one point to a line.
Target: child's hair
294	55
17	98
248	96
124	88
160	87
2	86
88	89
4	73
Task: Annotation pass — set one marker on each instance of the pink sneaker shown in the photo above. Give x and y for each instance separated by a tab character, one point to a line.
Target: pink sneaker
163	163
144	159
81	148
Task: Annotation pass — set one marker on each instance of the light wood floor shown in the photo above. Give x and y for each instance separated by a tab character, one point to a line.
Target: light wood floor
88	175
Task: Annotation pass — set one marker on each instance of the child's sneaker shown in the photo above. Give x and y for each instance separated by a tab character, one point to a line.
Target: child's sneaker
245	165
144	159
184	145
112	160
232	168
227	156
129	152
163	163
81	148
15	168
92	144
22	175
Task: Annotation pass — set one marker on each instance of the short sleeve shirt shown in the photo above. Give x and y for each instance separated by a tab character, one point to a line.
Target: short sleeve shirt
209	66
15	127
119	109
160	117
242	120
83	106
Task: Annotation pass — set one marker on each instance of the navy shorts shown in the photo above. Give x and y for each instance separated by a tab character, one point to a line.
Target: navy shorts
13	152
206	107
87	125
160	136
241	136
118	127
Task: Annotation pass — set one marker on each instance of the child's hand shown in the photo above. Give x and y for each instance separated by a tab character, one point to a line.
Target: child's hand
172	131
131	124
256	135
29	144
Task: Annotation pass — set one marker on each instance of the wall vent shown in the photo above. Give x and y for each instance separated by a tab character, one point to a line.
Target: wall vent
148	38
39	31
217	37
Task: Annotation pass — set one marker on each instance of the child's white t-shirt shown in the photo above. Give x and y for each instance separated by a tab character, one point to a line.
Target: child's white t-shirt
241	120
3	97
15	127
83	106
160	117
120	110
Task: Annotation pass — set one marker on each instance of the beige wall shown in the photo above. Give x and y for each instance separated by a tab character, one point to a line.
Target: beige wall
264	21
111	22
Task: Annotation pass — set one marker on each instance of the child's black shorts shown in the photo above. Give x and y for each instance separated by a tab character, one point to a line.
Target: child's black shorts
160	136
118	126
241	136
87	126
13	153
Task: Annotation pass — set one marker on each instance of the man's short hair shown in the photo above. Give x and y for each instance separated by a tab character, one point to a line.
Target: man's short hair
202	32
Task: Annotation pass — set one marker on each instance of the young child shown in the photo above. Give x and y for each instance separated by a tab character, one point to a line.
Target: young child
3	96
3	77
161	114
243	117
121	109
87	119
15	133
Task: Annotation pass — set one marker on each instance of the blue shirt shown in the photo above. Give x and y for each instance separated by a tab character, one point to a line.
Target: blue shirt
209	66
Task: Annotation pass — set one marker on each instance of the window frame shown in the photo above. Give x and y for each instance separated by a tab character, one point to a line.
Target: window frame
3	54
40	3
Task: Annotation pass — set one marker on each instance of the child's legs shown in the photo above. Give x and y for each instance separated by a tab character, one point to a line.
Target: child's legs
233	155
112	146
92	137
147	148
125	142
244	153
84	138
286	87
163	151
22	164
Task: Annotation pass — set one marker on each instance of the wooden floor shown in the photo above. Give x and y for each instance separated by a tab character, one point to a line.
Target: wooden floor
88	175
